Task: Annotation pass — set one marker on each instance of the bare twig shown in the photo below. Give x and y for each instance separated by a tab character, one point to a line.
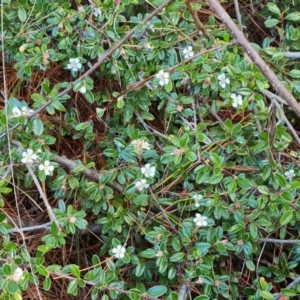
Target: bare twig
183	291
42	195
238	14
254	55
277	241
292	54
150	129
30	228
271	95
162	210
286	121
198	23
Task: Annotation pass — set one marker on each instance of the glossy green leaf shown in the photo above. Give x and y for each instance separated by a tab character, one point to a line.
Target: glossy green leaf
157	291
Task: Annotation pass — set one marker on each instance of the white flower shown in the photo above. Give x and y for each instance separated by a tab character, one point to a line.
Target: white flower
82	90
97	12
46	167
141	184
139	145
16	112
148	171
163	77
188	52
237	100
119	251
289	174
223	80
28	157
26	111
197	198
74	64
200	220
18	274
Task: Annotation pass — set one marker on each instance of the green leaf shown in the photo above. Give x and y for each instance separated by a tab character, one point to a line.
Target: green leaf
75	271
266	295
6	269
22	14
280	179
157	291
263	190
78	169
149	253
73	287
177	257
73	182
232	187
289	292
254	231
235	228
89	96
295	16
250	265
184	140
295	73
273	8
286	217
135	294
3	119
169	86
5	190
38	126
140	268
58	106
12	287
147	116
111	153
271	23
214	179
244	183
38	98
47	284
192	156
215	158
203	297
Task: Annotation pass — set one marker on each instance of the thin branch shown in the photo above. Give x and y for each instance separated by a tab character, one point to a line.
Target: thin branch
238	14
274	98
162	210
30	228
271	95
150	129
292	54
277	241
287	122
42	195
183	291
254	55
198	23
